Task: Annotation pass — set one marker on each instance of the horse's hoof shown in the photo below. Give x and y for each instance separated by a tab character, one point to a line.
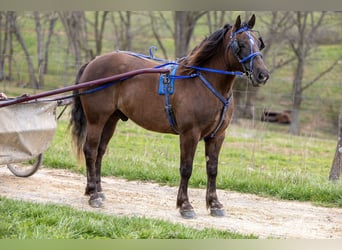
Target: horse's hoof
102	196
217	212
96	203
188	214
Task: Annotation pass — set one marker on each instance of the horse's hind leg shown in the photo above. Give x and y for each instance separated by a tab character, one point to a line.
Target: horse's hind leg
90	149
212	150
107	134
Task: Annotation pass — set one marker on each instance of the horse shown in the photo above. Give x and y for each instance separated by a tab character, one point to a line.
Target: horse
199	107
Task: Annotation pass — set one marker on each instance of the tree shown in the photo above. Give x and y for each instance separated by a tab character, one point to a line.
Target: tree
43	48
14	28
4	41
74	23
52	19
336	167
306	25
185	22
157	25
216	20
99	23
122	30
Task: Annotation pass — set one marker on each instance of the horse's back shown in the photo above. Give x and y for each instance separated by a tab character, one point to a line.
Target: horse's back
136	98
114	63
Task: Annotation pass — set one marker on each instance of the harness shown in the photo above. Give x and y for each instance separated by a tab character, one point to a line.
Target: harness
166	82
235	47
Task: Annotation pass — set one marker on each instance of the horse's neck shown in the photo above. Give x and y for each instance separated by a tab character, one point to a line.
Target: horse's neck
221	82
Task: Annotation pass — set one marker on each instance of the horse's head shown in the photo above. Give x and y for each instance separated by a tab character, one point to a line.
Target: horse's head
244	51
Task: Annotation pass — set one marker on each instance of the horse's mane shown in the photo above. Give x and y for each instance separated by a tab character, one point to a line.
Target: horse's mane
206	49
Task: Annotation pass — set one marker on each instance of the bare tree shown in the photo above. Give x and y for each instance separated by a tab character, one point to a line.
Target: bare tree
52	19
40	48
14	28
100	18
43	48
336	167
4	38
121	22
216	20
159	21
74	23
185	22
306	27
182	29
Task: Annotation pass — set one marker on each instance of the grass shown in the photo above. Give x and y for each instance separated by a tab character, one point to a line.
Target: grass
24	220
252	160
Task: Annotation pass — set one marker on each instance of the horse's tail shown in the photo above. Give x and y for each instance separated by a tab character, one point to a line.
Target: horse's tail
78	121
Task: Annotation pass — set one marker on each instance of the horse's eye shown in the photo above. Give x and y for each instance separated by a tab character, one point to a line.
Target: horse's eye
242	45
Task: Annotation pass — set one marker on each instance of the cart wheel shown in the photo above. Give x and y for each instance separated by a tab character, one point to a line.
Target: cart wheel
23	170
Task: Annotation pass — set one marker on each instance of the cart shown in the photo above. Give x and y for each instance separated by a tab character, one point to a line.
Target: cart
28	123
26	130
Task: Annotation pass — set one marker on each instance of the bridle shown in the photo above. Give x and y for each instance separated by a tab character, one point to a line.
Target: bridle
234	45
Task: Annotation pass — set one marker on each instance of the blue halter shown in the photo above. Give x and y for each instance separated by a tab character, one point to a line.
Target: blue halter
252	54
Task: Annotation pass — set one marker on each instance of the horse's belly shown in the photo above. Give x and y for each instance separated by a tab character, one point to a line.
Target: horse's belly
147	114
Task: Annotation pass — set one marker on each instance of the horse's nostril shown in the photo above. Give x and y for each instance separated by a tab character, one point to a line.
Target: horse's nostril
263	77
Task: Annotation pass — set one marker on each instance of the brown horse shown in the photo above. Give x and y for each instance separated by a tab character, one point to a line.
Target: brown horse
199	108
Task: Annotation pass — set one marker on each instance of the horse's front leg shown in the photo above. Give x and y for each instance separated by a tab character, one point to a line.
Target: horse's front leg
212	151
188	145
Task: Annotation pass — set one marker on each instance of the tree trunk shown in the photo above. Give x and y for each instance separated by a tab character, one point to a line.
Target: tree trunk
16	32
155	28
40	49
301	45
185	22
52	22
300	48
99	28
3	42
336	167
74	25
297	97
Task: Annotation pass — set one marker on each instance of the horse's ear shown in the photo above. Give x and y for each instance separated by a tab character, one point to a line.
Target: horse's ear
237	23
251	22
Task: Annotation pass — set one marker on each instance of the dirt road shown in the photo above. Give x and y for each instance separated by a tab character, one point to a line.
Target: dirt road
245	213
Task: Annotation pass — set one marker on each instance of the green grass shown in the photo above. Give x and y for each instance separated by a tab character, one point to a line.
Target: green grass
24	220
252	161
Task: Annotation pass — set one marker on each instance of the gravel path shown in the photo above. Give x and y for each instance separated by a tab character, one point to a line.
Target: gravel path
245	213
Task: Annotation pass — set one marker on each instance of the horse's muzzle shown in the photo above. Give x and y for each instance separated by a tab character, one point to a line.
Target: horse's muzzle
260	77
